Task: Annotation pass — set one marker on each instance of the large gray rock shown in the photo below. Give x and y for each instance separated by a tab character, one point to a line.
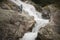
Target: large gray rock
13	25
8	5
51	30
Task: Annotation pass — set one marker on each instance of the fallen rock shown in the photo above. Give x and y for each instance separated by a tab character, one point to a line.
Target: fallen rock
13	25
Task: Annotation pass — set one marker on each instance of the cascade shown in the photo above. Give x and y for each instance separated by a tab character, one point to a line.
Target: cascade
30	9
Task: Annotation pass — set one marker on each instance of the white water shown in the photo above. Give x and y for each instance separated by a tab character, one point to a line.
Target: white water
30	9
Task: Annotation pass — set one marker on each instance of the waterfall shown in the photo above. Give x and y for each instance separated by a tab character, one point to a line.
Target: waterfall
37	17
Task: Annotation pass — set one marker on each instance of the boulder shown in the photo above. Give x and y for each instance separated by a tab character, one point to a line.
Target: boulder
46	12
51	30
9	5
13	25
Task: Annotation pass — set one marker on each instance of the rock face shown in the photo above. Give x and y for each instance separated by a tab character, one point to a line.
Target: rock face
51	30
13	24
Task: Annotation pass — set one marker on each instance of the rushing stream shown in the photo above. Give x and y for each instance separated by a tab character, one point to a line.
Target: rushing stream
30	9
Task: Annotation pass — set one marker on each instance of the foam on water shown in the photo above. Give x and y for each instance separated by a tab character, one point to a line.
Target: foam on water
30	36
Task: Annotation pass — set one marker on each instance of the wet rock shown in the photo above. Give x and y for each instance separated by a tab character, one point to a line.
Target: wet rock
13	25
51	30
46	12
8	5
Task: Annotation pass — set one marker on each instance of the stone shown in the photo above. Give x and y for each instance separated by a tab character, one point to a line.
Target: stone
13	24
51	30
46	12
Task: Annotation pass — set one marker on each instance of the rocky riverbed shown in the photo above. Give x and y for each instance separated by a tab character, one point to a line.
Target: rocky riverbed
29	24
